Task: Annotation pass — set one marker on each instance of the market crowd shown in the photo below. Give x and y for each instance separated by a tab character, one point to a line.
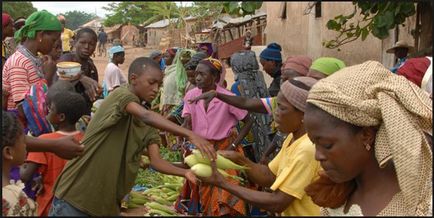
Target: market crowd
354	140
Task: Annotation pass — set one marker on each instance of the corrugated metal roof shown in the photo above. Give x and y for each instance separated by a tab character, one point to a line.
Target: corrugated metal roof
165	22
228	20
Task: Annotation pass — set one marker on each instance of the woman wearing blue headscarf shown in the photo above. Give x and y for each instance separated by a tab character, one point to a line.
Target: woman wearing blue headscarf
113	76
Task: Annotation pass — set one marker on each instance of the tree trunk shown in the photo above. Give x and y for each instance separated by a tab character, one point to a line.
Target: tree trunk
426	25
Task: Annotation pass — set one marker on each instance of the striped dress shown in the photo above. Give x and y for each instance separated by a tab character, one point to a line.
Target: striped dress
19	73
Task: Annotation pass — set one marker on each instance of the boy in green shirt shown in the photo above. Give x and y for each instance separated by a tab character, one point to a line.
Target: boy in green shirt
118	134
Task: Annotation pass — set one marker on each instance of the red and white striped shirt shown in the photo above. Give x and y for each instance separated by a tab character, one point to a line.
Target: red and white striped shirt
19	73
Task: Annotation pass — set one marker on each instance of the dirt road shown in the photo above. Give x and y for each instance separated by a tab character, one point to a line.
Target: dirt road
132	53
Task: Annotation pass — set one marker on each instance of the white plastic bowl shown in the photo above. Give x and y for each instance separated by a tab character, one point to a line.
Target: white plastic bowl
68	70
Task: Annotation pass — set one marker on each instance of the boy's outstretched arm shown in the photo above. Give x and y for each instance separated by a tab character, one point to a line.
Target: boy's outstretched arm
65	147
165	167
156	120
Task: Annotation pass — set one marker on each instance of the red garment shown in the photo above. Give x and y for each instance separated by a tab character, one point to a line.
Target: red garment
6	18
414	69
51	167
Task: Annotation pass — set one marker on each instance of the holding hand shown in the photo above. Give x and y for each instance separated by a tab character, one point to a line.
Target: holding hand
190	176
207	97
91	86
216	178
204	146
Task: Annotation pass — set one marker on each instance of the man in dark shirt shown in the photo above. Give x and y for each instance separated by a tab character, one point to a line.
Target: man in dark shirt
102	40
271	61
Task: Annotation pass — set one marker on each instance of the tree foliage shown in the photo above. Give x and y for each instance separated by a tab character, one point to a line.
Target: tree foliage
138	13
74	19
377	18
18	8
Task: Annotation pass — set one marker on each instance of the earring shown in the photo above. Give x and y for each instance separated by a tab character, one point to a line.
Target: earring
367	146
40	40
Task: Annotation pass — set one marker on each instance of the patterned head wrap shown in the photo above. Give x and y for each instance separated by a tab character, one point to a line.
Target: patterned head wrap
327	65
299	63
214	64
38	21
369	95
296	95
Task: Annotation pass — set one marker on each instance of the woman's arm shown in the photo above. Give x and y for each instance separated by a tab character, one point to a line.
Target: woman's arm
276	201
244	131
250	104
156	120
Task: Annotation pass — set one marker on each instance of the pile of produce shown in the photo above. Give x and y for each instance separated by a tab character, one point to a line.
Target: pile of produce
158	200
161	191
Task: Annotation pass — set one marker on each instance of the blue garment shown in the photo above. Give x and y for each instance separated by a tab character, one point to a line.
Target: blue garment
235	89
162	64
60	207
400	62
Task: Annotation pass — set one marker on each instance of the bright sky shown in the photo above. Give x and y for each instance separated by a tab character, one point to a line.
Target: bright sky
56	7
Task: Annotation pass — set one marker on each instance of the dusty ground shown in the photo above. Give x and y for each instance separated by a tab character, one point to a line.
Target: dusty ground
133	52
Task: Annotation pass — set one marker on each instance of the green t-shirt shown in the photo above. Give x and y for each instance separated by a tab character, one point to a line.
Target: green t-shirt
96	182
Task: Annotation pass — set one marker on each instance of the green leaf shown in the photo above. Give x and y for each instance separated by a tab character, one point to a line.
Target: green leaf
248	7
233	7
333	25
365	33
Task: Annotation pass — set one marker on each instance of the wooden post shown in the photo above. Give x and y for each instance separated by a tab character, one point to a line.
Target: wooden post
230	33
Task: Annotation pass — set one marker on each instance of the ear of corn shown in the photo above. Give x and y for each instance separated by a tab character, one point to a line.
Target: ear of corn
161	200
145	159
191	160
158	212
202	170
157	206
221	162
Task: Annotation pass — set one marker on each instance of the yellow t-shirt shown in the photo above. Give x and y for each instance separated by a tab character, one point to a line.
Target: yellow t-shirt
295	168
66	35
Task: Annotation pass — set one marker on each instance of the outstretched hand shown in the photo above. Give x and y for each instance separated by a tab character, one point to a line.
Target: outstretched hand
207	97
91	86
204	146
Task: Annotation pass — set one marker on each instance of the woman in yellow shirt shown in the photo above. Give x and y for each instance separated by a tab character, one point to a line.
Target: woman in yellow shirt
291	170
